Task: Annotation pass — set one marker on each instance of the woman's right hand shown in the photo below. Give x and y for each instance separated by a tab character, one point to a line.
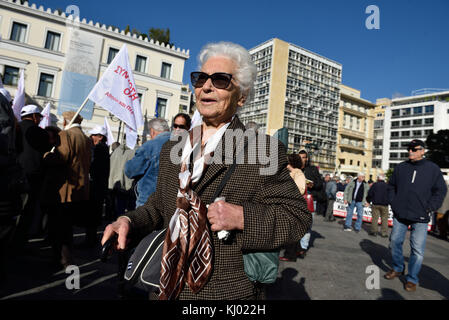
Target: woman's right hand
120	227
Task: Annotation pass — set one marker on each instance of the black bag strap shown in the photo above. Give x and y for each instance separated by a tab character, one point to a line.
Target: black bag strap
228	174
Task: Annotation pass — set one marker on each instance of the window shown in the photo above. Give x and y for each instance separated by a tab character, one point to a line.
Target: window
11	76
428	121
404	155
166	70
427	132
406	111
395	113
45	85
395	134
417	122
161	106
18	32
416	133
394	155
395	124
406	123
405	134
394	144
111	55
141	63
429	109
417	110
182	108
52	41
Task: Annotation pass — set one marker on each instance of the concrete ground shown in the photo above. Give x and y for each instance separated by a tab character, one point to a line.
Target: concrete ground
335	268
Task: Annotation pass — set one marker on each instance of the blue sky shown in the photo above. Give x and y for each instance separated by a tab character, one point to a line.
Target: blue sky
410	50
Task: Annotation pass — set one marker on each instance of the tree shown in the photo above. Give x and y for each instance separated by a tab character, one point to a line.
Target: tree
127	30
389	173
438	148
160	35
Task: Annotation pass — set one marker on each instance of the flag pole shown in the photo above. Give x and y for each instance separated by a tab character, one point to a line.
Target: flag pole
78	112
73	119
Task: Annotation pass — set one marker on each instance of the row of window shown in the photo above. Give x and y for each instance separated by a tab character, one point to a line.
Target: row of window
413	133
396	155
141	64
416	111
416	122
46	81
313	63
53	41
351	162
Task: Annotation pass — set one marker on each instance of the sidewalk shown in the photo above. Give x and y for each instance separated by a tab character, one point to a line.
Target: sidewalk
335	268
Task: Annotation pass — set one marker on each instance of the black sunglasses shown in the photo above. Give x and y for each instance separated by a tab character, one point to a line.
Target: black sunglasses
180	126
220	80
414	149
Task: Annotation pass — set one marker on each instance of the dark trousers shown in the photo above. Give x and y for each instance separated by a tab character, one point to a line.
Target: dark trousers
330	211
321	207
381	211
9	210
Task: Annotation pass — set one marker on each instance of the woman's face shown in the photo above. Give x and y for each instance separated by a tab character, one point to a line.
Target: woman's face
218	105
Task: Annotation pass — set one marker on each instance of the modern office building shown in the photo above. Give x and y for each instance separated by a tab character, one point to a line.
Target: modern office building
379	118
355	134
63	56
413	117
299	90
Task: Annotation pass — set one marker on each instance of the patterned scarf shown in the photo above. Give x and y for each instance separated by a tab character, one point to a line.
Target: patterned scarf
187	253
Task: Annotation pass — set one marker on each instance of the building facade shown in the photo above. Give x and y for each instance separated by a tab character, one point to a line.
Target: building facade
355	134
413	117
298	90
63	56
379	118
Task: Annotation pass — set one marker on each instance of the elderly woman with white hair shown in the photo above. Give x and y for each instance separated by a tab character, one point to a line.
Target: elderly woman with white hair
260	205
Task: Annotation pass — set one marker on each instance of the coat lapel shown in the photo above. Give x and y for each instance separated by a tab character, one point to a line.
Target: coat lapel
223	155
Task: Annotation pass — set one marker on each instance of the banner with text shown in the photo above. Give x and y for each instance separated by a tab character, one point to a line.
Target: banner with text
116	91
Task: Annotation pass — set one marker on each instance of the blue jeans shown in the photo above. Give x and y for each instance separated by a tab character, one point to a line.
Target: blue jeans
350	212
304	242
418	237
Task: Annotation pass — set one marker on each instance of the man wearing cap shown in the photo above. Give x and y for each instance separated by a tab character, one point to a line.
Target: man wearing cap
99	176
34	142
75	152
419	189
378	196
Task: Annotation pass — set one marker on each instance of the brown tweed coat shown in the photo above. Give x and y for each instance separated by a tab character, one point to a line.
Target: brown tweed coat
75	150
274	213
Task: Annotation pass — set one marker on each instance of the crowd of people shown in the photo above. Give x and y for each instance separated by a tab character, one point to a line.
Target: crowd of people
73	179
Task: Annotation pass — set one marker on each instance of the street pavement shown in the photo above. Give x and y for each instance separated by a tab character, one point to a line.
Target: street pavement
338	266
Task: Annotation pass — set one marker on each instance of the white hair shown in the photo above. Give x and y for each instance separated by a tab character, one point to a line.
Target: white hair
158	125
381	177
245	74
360	174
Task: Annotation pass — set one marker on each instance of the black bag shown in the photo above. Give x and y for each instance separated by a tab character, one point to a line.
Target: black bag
144	267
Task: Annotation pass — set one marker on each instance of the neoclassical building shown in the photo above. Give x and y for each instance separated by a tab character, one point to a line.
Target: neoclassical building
62	56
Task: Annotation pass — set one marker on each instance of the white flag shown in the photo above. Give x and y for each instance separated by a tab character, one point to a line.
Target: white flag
116	91
196	119
110	137
46	120
131	137
19	98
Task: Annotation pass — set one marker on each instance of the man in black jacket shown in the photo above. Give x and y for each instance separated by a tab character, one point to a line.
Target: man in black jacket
378	197
316	189
419	189
34	142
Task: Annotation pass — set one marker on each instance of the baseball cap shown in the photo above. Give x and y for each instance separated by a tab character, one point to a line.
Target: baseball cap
98	130
416	143
29	109
6	94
